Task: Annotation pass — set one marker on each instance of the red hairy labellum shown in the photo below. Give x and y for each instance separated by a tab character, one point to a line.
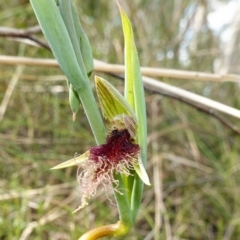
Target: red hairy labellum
119	154
119	146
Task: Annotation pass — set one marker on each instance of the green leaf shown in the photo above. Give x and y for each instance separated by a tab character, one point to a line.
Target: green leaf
58	39
57	35
65	7
84	43
134	93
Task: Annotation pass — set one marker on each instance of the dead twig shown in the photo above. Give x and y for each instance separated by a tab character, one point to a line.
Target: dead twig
23	34
100	66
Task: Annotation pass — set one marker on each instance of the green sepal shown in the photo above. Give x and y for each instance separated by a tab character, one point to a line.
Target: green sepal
111	101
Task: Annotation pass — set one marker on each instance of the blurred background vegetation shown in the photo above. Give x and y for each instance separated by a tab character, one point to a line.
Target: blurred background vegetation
193	159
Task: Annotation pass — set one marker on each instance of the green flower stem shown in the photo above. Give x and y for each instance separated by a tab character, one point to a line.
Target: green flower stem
136	197
125	213
129	183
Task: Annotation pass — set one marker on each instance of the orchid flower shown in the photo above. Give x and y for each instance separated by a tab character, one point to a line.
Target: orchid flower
120	154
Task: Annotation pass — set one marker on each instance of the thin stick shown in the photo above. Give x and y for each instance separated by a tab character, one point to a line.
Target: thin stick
100	66
169	73
15	32
38	62
23	34
200	107
152	84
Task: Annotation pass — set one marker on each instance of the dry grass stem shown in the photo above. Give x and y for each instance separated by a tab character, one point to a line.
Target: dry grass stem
52	215
12	84
155	85
187	162
100	66
51	190
160	209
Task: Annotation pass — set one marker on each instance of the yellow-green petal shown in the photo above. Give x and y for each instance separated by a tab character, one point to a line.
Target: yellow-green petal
73	162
